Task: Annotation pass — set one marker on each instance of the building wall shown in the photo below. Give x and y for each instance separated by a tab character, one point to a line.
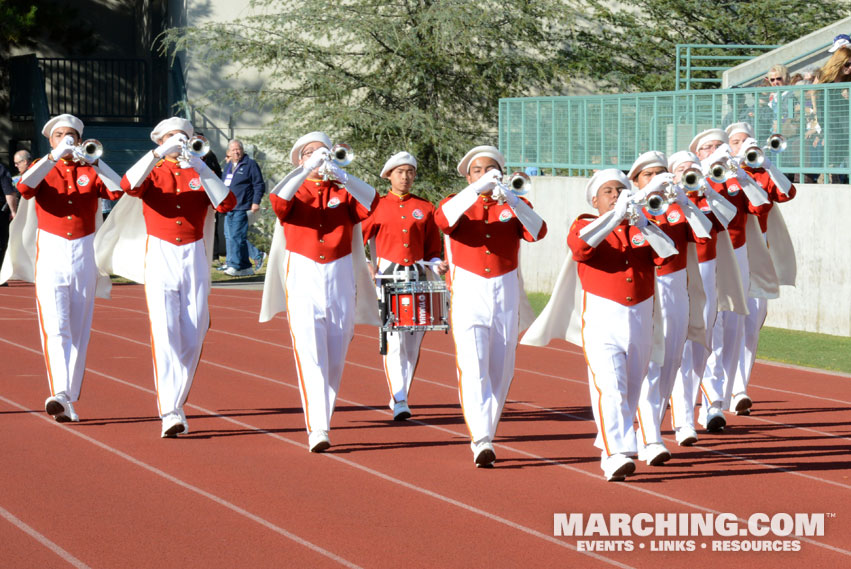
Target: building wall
821	301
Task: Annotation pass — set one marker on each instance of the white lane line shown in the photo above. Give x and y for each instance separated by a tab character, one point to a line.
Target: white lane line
633	487
270	525
42	539
192	488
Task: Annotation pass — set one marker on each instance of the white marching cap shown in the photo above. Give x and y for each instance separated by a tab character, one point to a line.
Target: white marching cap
62	120
738	127
174	123
479	152
678	158
316	136
600	178
709	135
651	159
398	159
839	41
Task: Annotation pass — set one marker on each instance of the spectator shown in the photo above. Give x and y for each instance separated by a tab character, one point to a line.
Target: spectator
839	41
832	110
7	211
22	159
243	177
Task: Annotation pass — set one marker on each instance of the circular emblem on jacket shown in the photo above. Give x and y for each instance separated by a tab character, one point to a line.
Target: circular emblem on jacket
195	184
638	239
706	209
733	190
83	180
417	213
505	215
334	202
674	216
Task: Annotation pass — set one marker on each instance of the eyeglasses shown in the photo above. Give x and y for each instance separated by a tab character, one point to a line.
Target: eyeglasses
775	79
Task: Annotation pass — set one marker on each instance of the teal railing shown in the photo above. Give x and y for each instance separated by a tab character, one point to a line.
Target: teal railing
699	63
583	133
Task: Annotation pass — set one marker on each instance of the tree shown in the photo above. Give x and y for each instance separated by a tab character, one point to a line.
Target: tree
417	75
630	44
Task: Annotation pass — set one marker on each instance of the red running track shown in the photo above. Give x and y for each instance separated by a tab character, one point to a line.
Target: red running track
241	490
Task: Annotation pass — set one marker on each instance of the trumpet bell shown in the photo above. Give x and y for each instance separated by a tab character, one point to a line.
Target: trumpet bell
342	154
198	146
777	143
91	150
691	179
754	157
656	204
519	183
718	173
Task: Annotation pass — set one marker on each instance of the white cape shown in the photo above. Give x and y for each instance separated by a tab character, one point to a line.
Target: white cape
274	293
19	262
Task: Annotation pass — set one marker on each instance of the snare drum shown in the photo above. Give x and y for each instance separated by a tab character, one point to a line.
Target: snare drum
416	306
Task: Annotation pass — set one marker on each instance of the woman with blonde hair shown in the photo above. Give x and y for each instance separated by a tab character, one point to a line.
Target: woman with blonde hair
832	110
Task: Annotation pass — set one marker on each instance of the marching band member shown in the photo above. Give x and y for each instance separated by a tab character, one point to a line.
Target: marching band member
711	147
695	352
780	189
684	223
483	234
177	192
320	207
402	232
615	263
67	188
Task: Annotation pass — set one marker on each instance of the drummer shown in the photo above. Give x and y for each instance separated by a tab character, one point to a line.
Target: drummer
401	233
483	235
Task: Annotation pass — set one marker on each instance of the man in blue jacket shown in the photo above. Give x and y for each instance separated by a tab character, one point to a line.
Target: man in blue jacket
243	177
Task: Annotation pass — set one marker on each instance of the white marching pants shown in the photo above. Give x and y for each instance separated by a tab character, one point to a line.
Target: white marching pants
757	311
403	353
695	355
65	281
485	320
617	341
673	301
177	284
321	314
727	336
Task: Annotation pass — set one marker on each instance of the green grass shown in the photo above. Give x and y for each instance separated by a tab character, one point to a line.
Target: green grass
808	349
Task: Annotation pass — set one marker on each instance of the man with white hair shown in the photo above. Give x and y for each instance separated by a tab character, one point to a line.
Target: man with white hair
779	189
615	263
402	233
177	192
67	189
320	207
243	177
484	224
711	146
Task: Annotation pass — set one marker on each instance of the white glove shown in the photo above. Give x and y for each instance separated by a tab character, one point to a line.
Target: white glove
64	148
198	164
507	195
748	143
487	182
658	182
174	143
682	199
622	205
642	219
721	154
316	159
337	173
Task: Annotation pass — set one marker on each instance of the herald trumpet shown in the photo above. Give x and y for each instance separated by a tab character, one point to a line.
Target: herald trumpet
691	180
517	183
776	143
342	154
88	151
196	147
722	169
656	202
753	156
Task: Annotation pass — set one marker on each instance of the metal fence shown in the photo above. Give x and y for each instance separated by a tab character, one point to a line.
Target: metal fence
584	133
701	63
105	89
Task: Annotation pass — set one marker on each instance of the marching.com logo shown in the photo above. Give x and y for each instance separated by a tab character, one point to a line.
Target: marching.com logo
759	532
